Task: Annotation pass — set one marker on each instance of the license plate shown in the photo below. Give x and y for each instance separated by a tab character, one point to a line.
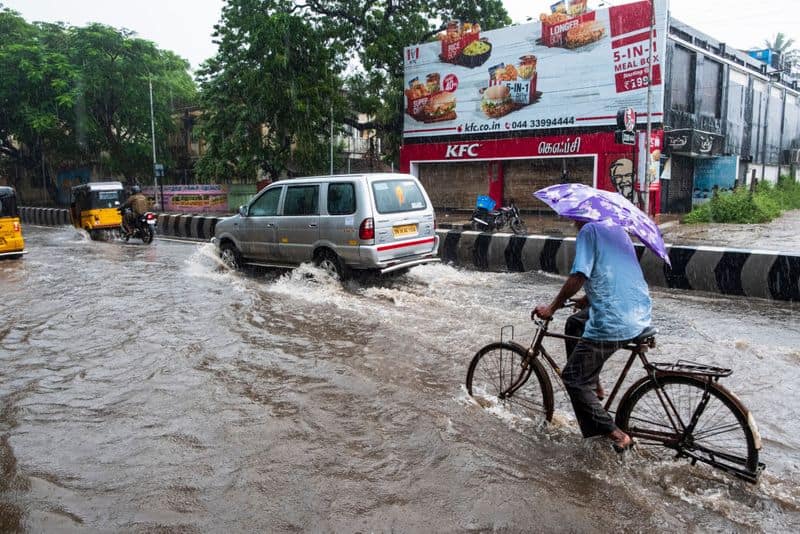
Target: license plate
151	222
404	230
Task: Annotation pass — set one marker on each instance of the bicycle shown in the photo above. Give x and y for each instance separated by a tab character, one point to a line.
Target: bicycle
678	406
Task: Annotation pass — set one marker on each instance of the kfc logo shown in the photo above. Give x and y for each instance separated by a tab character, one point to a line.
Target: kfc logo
412	55
459	151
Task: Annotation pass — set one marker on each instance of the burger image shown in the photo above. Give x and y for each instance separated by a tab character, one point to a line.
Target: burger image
497	101
440	107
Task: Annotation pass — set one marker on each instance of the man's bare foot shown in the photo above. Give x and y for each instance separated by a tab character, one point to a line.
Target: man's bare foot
620	440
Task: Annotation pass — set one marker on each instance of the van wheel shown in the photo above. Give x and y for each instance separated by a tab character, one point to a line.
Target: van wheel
330	262
230	256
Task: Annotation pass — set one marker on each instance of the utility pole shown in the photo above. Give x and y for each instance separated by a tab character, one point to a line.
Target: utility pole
153	134
331	137
646	191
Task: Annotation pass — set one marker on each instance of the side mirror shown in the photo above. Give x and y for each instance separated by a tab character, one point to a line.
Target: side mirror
243	211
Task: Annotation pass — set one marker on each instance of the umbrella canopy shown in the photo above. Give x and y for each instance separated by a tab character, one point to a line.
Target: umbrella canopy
583	203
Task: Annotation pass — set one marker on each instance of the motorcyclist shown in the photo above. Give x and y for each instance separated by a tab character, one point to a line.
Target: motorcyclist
138	205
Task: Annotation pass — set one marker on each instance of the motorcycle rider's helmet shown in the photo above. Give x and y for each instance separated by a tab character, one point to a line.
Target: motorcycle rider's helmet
136	189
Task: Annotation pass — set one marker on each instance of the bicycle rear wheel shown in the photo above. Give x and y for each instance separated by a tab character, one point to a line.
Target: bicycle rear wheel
723	435
500	374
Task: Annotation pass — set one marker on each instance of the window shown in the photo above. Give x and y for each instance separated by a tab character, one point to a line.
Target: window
341	199
392	196
301	200
682	80
711	88
267	204
8	206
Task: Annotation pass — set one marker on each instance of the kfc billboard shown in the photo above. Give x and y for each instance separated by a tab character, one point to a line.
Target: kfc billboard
567	70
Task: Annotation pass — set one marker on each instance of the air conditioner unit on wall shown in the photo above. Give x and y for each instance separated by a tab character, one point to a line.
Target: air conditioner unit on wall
791	156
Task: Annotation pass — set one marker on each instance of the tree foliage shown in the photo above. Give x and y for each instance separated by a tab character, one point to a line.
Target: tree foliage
268	94
73	96
354	47
781	43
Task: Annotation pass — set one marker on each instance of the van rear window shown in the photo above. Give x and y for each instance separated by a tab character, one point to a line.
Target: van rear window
393	196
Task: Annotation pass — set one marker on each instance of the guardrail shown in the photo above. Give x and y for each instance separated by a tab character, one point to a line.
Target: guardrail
749	273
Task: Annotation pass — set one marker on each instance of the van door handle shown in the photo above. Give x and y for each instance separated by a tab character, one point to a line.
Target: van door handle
270	225
312	225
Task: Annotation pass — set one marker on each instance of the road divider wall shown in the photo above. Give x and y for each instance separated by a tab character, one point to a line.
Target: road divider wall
749	273
200	227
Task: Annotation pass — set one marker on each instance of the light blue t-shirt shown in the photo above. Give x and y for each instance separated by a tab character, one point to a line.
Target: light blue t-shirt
619	302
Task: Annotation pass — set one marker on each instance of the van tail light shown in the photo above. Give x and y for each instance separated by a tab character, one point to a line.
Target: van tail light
150	216
16	227
367	229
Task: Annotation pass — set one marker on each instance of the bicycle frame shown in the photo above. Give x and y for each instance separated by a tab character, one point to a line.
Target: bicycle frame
537	349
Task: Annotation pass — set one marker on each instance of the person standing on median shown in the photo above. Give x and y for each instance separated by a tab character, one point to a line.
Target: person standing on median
607	267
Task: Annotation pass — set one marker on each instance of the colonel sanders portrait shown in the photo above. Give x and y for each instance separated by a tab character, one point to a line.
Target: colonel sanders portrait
621	174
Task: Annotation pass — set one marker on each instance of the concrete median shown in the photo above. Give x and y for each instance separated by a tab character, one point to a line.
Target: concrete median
194	227
749	273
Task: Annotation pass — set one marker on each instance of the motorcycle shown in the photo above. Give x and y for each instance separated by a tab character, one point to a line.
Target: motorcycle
486	219
144	226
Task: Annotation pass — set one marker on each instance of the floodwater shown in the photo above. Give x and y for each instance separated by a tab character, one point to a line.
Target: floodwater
782	234
144	389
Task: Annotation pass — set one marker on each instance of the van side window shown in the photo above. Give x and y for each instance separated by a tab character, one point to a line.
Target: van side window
267	204
341	199
393	196
301	200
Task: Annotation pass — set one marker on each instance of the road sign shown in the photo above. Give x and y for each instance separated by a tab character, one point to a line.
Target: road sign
623	137
159	170
626	119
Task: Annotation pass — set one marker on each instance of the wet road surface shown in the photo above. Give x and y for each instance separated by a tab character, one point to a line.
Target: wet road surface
143	389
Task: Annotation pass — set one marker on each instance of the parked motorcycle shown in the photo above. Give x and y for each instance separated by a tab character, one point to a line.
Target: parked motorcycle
486	219
144	226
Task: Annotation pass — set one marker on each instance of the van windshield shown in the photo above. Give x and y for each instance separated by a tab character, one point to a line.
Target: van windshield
393	196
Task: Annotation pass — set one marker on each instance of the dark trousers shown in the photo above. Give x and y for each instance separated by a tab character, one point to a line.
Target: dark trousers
581	375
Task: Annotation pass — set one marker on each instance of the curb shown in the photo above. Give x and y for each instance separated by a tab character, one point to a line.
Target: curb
738	272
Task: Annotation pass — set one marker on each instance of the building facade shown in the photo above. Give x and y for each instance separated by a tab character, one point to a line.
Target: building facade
717	115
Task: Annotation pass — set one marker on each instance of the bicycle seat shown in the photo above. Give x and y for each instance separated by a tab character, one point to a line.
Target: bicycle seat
646	334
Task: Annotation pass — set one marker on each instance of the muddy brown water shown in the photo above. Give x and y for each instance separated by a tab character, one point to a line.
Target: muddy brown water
144	389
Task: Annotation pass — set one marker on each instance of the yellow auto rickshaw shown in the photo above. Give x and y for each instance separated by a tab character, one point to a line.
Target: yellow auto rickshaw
11	243
95	207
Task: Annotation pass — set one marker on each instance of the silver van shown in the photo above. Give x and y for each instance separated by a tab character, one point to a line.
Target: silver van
362	222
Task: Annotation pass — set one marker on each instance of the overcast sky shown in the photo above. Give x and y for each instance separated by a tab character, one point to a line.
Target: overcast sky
185	26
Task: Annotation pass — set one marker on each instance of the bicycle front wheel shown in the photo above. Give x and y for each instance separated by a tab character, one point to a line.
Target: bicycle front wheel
501	374
669	412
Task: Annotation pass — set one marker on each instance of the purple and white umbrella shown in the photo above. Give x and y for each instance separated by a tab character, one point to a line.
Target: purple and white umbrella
583	203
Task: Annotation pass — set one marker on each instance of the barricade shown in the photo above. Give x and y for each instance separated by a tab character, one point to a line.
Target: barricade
195	227
748	273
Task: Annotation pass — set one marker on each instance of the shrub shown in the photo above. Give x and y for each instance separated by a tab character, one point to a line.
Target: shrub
742	206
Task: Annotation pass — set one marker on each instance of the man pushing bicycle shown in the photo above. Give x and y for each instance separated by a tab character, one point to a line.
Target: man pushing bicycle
607	267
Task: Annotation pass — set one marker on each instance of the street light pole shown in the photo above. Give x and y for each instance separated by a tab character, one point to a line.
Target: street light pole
153	134
646	191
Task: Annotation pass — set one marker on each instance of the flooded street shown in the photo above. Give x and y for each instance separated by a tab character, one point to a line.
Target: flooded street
144	389
781	234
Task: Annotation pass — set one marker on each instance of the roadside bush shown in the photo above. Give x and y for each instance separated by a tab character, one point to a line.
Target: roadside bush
742	206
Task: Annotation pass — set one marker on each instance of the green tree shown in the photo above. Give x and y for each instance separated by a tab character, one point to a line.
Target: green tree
785	46
73	96
351	59
268	94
